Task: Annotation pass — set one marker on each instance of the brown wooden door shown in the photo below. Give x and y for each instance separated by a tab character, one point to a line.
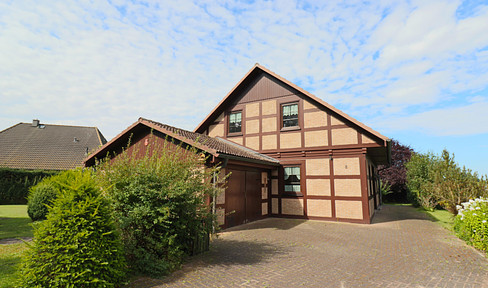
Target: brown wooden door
243	197
235	198
253	195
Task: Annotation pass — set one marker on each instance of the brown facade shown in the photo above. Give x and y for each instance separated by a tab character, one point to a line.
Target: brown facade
336	155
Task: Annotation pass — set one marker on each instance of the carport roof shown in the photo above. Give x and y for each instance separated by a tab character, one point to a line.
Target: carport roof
218	147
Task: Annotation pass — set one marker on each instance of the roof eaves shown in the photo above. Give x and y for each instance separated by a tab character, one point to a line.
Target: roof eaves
94	154
270	159
249	160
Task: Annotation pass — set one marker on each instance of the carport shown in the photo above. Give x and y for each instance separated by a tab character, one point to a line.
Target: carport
247	193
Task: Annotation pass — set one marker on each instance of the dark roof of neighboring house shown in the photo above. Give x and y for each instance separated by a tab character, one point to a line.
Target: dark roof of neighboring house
46	146
255	71
216	146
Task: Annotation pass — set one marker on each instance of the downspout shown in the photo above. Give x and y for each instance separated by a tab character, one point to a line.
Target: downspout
214	199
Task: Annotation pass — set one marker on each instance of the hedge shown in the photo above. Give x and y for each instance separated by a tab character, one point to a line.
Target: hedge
15	184
77	245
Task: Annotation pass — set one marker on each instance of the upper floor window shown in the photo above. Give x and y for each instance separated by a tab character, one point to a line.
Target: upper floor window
235	122
290	115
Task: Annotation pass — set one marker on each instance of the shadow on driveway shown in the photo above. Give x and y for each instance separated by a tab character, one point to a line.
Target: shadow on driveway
224	255
282	224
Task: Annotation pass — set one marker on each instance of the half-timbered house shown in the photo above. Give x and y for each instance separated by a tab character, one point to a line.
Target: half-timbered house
288	152
328	160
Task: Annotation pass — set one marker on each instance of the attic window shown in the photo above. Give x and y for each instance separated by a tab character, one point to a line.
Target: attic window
235	122
290	115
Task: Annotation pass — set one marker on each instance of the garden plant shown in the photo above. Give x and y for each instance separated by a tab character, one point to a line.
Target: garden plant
77	245
160	201
471	223
437	181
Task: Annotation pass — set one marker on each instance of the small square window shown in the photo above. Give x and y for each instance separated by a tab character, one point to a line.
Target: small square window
235	122
292	179
290	115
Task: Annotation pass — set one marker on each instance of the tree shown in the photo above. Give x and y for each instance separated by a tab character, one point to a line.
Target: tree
437	181
396	173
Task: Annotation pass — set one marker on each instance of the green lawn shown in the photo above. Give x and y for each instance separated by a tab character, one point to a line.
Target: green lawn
443	217
14	221
10	257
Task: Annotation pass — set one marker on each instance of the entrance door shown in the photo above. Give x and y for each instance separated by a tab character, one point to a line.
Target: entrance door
243	197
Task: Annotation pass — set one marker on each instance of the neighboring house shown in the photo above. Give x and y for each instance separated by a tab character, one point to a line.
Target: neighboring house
290	154
46	146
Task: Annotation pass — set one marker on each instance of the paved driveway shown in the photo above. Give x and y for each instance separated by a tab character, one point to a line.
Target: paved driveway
402	248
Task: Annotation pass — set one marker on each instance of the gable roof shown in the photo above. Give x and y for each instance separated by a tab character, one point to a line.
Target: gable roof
217	147
256	71
47	146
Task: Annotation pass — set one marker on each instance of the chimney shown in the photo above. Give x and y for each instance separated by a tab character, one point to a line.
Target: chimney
35	122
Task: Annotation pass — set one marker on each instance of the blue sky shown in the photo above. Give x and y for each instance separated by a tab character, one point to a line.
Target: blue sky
417	71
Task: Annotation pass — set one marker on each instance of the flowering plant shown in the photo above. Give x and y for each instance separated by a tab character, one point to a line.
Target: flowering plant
471	223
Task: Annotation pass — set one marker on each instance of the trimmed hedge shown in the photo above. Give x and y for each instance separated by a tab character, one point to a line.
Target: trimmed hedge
77	245
15	184
40	197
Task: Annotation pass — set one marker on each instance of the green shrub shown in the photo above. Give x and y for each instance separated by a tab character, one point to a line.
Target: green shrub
438	181
160	203
420	180
77	245
15	184
45	192
40	197
471	223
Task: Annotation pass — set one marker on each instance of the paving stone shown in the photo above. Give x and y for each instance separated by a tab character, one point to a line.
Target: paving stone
401	248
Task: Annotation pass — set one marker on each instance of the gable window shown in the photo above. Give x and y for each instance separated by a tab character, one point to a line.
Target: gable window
290	115
235	122
292	179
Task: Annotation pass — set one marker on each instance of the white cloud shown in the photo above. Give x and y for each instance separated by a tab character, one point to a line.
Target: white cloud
455	121
105	65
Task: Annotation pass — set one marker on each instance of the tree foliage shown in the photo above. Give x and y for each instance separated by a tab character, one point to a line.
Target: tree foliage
395	174
438	181
161	204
